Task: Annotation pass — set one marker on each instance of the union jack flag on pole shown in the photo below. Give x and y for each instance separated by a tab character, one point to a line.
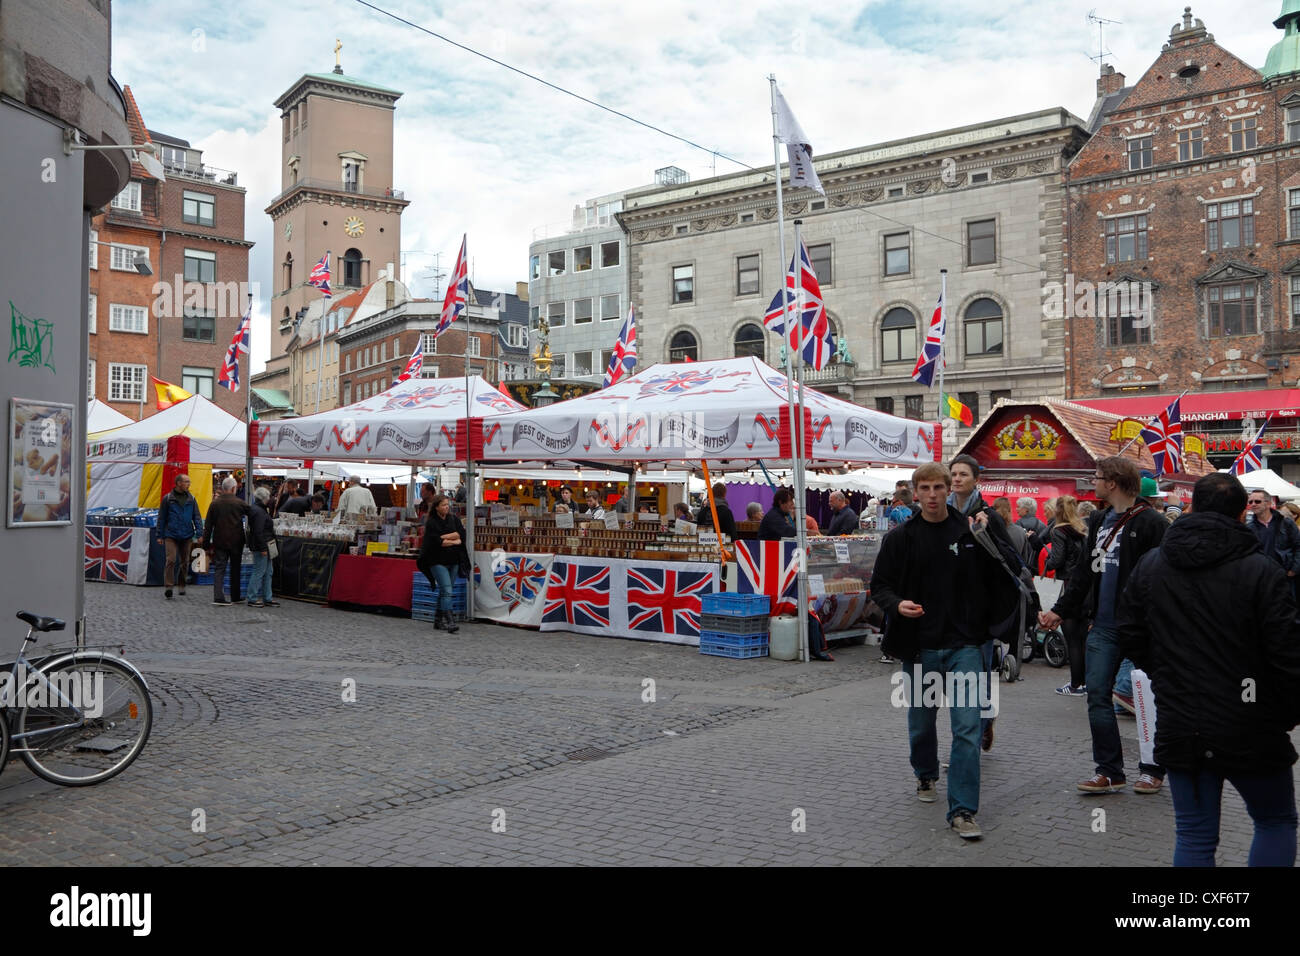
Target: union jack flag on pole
1252	457
1164	438
320	275
239	344
818	341
623	360
932	350
415	364
457	292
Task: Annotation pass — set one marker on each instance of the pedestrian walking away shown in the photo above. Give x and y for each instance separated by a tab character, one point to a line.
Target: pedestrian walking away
179	523
261	541
1067	541
223	536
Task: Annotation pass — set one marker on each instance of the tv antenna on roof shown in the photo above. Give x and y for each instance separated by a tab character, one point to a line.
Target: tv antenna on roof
1101	22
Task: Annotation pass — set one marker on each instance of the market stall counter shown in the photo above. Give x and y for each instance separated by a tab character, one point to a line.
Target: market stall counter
372	582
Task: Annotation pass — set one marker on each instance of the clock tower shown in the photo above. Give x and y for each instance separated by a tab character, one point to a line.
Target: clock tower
337	193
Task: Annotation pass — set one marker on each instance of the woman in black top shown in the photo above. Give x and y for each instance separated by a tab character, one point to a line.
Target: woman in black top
1067	538
442	555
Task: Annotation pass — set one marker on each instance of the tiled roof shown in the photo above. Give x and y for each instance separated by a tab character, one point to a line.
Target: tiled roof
139	134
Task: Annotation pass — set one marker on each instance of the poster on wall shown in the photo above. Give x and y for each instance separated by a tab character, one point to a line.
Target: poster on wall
40	463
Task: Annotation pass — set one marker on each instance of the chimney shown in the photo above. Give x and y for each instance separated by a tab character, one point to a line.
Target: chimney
521	291
1109	82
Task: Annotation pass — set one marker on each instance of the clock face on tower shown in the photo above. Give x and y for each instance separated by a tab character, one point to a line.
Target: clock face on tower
353	226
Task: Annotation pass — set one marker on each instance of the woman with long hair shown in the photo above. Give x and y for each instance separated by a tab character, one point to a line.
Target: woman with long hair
1067	537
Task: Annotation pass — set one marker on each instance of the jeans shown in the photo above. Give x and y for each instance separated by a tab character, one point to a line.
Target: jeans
178	561
964	760
259	584
1101	663
441	579
1270	801
220	559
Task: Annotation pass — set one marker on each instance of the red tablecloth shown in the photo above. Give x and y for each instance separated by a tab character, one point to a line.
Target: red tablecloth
375	582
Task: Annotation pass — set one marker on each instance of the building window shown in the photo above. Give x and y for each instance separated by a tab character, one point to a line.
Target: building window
123	257
199	326
1190	144
1293	213
976	178
351	177
609	307
606	356
1230	225
817	205
126	382
895	192
534	267
885	405
94	249
200	266
129	198
535	315
197	381
1232	309
92	314
347	361
999	395
198	208
898	336
747	282
128	318
475	346
555	314
383	351
610	254
517	336
1128	330
1295	302
984	328
683	348
1139	153
557	367
1293	124
914	406
1126	239
683	283
581	363
555	263
682	229
749	341
581	311
972	401
430	344
582	259
898	254
347	393
90	378
981	242
1242	133
352	269
819	257
746	217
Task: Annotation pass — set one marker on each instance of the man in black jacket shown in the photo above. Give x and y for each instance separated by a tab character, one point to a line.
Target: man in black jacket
844	520
942	594
223	535
1228	684
1118	536
1278	536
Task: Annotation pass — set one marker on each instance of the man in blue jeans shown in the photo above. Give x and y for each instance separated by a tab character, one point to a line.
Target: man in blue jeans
1118	536
942	594
1228	685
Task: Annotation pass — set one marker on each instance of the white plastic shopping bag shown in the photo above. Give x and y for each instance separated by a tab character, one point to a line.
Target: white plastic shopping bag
1144	702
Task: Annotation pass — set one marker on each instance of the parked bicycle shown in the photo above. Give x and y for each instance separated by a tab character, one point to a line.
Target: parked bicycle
77	717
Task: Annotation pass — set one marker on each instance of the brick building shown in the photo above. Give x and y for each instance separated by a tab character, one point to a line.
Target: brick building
1183	239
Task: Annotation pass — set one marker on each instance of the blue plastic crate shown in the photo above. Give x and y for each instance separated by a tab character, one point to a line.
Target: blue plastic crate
729	650
735	605
733	640
726	624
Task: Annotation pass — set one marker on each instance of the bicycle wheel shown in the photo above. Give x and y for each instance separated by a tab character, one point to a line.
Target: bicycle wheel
4	738
98	746
1054	649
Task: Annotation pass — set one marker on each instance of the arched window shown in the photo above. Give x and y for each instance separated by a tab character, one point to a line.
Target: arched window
352	268
288	271
984	328
749	341
898	336
683	348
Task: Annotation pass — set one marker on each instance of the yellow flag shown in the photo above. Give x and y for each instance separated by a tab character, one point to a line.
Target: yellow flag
1192	445
169	394
1125	430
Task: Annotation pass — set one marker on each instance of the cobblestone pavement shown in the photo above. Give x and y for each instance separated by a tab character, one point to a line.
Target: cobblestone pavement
547	737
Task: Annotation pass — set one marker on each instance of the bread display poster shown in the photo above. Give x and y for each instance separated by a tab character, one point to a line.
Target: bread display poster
40	467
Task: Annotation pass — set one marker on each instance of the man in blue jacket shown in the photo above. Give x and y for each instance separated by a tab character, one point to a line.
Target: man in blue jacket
179	524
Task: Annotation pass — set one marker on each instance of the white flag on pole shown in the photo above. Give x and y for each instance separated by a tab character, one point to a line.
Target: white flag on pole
798	151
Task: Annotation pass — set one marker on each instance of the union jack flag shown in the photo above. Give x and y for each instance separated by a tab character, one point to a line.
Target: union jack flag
520	579
457	292
107	553
1164	438
239	344
414	364
320	275
577	595
815	329
931	352
624	358
666	602
769	567
1252	458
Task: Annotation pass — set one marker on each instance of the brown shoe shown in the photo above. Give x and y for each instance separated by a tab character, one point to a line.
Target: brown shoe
1101	784
1147	784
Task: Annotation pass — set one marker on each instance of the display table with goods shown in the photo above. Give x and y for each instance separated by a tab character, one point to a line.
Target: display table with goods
309	546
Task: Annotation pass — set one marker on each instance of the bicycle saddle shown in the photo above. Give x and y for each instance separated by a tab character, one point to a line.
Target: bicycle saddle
41	623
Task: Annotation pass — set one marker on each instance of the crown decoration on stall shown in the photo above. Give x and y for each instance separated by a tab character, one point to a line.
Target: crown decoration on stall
1027	439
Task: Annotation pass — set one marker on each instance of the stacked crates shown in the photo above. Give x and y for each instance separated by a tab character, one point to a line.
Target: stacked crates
734	625
424	599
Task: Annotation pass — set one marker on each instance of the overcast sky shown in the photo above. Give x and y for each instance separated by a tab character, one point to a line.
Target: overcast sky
482	150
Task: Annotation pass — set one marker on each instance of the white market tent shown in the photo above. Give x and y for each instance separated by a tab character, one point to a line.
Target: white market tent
1269	482
101	417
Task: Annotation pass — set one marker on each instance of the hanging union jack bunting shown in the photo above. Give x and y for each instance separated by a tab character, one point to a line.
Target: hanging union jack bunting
623	360
815	328
415	364
1252	457
932	351
1164	438
239	344
457	292
320	275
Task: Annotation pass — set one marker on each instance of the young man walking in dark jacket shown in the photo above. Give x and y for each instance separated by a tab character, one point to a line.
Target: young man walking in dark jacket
1228	685
223	534
1118	536
179	523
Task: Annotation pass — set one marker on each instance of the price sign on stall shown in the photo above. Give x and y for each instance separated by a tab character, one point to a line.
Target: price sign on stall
505	519
611	521
564	520
816	584
682	526
842	552
709	539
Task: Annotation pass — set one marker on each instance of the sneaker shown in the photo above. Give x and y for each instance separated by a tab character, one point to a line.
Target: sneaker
986	738
181	592
927	791
168	594
1125	701
1100	783
966	827
886	659
256	604
271	603
1146	783
1069	690
222	603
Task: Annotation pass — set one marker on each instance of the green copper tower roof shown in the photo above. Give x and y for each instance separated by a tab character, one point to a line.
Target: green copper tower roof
1284	58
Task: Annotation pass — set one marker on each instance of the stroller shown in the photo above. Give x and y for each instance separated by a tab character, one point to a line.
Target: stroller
1007	657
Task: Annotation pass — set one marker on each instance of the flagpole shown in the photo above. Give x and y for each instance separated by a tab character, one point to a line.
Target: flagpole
797	462
943	343
248	407
1148	424
785	334
469	475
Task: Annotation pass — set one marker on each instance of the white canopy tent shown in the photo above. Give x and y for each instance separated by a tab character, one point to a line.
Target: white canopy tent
1270	482
101	417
